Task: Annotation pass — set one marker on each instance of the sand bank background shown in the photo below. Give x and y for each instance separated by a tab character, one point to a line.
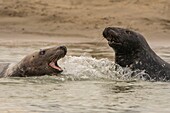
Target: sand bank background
84	18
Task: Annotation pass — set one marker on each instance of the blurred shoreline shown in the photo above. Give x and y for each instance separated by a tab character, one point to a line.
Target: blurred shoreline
83	19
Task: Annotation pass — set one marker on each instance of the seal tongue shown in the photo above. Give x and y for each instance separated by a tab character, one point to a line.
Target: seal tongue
53	65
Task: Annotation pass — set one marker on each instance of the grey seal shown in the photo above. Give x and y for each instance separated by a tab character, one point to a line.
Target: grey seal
133	51
43	62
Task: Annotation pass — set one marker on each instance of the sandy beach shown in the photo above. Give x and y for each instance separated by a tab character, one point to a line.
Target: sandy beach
82	20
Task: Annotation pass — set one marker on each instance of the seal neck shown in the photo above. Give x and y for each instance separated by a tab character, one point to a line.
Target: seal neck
3	68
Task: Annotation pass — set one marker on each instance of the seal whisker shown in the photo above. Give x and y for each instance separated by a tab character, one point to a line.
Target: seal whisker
99	41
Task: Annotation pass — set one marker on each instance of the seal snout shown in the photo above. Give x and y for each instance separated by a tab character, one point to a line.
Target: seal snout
64	48
61	51
105	32
110	32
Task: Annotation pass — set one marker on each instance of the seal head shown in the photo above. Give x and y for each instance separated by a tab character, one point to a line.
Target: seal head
39	63
124	41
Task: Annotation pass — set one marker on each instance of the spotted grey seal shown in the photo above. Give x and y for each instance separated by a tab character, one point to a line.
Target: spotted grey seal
39	63
132	50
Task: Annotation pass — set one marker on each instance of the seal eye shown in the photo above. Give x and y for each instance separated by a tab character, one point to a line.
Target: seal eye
128	32
42	52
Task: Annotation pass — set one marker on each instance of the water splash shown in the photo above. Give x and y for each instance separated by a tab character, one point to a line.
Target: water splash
88	68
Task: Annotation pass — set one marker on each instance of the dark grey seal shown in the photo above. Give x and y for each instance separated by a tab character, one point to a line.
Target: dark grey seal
39	63
132	50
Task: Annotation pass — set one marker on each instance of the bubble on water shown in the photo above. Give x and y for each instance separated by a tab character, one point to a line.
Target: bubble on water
87	68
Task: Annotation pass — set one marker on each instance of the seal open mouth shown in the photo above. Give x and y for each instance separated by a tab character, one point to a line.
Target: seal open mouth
112	36
55	66
61	52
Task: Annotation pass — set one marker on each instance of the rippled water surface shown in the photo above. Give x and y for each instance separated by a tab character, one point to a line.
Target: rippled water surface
89	84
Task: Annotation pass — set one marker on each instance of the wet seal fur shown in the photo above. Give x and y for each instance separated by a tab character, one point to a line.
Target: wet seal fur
132	50
39	63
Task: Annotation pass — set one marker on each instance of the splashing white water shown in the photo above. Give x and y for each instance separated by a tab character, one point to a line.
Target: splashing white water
83	68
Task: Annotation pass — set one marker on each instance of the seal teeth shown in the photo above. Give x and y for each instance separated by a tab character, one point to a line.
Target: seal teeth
112	40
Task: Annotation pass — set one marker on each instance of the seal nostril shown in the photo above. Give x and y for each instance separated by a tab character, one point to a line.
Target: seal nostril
128	32
105	32
64	48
